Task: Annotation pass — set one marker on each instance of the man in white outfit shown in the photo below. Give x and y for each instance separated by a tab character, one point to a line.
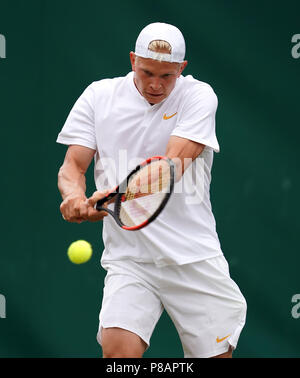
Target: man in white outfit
176	263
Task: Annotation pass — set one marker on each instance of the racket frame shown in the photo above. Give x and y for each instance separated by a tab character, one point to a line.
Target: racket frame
118	195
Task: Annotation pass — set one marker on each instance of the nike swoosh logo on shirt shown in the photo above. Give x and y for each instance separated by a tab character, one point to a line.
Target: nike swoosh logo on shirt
168	117
222	339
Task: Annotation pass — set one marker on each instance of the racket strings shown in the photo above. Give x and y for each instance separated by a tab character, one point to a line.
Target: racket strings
145	193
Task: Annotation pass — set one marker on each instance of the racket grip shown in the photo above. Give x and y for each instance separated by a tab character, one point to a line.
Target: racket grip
102	201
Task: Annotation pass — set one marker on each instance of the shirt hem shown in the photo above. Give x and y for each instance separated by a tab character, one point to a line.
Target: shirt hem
198	140
162	264
74	141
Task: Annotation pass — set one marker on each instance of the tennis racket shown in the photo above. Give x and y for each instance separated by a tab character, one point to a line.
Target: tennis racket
141	197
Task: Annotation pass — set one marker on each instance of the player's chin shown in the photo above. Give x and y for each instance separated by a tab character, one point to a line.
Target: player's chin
154	98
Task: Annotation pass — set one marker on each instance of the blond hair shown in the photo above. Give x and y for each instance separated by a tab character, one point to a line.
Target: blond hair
160	46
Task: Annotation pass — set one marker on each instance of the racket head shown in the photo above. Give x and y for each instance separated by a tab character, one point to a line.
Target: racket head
145	193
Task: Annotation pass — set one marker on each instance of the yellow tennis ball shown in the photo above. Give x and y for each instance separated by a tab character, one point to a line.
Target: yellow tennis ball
80	251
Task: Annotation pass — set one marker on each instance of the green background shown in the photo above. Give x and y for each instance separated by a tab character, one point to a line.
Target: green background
54	50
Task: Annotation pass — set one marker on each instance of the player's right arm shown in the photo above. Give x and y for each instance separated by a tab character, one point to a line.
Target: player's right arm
72	186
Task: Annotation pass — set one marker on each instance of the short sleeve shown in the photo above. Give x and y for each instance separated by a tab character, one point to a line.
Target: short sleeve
79	127
197	117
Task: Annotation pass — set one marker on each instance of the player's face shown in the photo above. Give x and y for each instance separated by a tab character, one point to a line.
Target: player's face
155	80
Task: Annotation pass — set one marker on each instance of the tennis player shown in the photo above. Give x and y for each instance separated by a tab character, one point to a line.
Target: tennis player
176	263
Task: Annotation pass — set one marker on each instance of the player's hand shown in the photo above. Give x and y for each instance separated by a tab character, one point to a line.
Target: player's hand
93	214
77	209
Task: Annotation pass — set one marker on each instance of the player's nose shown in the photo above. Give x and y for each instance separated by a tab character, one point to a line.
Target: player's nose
155	84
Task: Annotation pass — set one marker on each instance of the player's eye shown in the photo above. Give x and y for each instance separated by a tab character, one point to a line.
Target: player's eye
148	73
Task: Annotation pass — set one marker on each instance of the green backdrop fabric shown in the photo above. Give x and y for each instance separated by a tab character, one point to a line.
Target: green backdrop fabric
53	51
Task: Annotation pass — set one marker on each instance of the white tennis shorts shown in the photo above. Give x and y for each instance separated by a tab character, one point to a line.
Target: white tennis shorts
204	303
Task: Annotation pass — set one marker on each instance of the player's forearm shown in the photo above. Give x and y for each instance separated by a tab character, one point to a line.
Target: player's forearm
182	152
71	181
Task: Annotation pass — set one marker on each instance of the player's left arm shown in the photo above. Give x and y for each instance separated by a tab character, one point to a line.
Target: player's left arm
182	151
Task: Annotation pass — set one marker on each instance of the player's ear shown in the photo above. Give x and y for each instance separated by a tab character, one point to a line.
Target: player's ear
132	60
182	67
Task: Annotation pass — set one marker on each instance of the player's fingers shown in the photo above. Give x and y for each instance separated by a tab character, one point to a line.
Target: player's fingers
62	209
66	214
75	219
73	209
95	215
73	215
96	197
83	210
79	220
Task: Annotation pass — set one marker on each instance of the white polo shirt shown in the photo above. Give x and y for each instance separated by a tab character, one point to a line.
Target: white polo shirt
113	118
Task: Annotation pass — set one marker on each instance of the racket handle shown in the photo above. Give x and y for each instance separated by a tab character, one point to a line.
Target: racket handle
104	199
107	210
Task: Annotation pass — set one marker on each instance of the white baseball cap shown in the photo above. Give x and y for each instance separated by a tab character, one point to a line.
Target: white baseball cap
163	32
